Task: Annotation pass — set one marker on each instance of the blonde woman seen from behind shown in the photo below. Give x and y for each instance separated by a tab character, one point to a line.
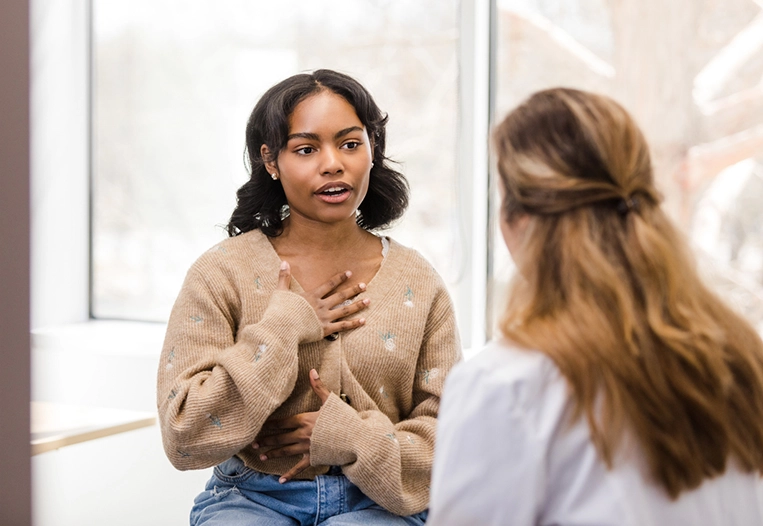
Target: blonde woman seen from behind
622	392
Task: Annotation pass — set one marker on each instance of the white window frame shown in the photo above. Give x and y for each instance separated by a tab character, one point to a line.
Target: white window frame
60	162
475	104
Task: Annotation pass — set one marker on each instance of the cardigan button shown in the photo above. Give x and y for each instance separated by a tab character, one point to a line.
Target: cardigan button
332	337
345	398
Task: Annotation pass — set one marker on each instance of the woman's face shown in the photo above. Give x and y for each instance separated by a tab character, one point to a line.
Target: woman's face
326	164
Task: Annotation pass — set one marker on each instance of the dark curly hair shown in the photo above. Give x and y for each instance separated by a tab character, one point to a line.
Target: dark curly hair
261	200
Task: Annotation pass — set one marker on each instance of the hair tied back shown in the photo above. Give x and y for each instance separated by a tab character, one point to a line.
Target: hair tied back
627	204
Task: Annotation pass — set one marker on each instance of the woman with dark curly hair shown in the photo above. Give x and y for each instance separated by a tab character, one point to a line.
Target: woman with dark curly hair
305	354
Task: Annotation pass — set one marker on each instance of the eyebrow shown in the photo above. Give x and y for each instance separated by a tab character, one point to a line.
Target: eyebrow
314	136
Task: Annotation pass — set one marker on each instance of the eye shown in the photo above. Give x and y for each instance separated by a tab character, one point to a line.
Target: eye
305	150
351	145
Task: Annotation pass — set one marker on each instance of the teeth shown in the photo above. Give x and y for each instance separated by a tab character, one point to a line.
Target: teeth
332	190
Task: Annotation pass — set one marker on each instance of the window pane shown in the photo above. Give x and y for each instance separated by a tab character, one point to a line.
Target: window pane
691	73
173	89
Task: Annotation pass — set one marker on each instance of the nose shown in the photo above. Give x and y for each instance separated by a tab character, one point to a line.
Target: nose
331	162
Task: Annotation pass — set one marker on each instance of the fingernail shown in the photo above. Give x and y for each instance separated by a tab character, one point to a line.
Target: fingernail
284	265
362	321
263	458
348	273
281	480
256	445
362	286
366	301
314	374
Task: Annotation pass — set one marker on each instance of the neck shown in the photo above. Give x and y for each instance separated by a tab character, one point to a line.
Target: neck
304	235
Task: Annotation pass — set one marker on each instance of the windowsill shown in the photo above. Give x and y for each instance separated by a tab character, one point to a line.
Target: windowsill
56	425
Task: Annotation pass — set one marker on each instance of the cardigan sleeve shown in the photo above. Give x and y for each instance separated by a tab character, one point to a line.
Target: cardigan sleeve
392	462
217	383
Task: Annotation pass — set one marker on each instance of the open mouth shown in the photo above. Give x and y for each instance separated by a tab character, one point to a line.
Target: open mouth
334	191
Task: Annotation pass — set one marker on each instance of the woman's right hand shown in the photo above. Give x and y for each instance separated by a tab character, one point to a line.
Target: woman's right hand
328	302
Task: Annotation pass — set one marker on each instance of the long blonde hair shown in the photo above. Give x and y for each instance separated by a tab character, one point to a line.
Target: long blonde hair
608	290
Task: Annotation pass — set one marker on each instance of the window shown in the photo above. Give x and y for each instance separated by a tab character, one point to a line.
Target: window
173	89
691	73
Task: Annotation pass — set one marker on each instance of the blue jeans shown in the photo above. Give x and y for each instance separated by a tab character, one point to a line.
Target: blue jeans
239	496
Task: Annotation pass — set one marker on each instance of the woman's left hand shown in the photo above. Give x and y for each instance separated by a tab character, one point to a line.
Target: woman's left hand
293	433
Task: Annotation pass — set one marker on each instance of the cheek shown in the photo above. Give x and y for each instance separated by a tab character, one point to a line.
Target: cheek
513	235
294	178
506	233
291	189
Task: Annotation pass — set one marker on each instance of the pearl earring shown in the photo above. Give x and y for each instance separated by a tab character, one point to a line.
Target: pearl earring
274	176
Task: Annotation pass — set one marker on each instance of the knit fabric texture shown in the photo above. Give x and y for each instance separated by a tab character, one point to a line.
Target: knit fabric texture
238	352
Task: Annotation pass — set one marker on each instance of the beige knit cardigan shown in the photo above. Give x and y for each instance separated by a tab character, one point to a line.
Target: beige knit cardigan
238	352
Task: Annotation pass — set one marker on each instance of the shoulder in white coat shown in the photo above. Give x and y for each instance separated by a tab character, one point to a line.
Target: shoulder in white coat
498	414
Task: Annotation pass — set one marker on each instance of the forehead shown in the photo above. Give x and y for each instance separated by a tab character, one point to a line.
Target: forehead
323	111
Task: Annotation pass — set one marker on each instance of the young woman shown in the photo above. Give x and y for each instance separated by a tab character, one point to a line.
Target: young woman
305	355
623	392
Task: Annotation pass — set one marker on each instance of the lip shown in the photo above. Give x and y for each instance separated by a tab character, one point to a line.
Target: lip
337	197
334	184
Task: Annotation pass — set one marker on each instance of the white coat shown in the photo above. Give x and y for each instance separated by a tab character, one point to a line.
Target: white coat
506	455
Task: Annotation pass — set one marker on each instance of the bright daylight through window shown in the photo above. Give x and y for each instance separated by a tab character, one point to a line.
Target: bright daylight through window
691	73
173	89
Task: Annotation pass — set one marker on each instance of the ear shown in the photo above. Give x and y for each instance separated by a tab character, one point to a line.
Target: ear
269	158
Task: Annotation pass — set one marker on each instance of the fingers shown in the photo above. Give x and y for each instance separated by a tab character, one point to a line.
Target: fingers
285	439
331	309
280	424
339	304
344	325
301	466
284	276
351	308
286	451
318	387
323	290
341	296
294	429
